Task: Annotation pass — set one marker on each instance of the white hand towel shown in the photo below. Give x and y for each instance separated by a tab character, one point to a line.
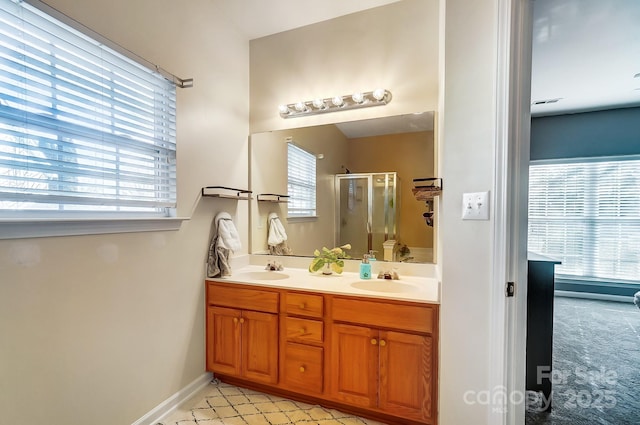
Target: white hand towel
228	237
277	234
225	240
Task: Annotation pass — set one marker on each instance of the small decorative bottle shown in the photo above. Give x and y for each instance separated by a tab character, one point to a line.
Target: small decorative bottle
365	267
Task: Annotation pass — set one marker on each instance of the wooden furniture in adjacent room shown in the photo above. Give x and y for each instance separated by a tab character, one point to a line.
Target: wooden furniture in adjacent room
540	287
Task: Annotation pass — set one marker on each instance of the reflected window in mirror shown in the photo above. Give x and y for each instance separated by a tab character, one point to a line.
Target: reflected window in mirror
301	181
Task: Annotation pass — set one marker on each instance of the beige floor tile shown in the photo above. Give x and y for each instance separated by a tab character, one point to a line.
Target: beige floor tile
205	414
318	413
218	401
267	407
247	409
223	404
277	418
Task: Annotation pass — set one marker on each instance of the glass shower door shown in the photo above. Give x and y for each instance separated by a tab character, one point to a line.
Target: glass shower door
354	212
383	213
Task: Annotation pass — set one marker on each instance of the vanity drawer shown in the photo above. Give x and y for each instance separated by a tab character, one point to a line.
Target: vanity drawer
303	330
302	368
414	318
303	304
236	296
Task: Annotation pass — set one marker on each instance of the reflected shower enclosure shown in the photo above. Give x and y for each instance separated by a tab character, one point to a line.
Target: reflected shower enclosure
366	211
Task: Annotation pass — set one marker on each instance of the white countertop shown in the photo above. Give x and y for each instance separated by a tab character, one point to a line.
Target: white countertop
408	288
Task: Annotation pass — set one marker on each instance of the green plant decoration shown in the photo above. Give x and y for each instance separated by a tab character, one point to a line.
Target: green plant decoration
333	257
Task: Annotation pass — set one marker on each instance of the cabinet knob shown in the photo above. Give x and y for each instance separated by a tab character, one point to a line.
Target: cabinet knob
235	320
374	341
302	369
302	306
383	343
242	320
303	331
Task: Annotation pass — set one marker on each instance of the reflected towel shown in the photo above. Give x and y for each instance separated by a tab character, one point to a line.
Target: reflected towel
277	238
277	234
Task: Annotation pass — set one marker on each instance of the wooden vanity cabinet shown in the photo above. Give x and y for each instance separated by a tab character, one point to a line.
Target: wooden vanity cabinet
370	356
242	332
383	357
302	342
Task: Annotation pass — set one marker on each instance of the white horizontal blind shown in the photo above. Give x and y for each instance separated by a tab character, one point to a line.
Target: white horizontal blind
82	127
587	215
301	184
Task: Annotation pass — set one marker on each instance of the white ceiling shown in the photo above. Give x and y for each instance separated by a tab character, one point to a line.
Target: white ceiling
259	18
586	53
408	123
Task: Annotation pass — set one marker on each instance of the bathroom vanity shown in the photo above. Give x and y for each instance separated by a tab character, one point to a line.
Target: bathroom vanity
329	340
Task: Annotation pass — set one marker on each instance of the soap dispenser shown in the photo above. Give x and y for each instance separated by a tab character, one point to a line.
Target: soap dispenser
372	255
365	267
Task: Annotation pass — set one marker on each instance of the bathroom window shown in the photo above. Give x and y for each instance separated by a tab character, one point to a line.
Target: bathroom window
301	182
84	130
587	215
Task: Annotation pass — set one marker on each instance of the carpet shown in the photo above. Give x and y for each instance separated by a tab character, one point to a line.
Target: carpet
596	365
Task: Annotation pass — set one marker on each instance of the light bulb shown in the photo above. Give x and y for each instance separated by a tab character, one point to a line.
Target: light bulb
338	101
358	97
319	104
284	109
301	107
378	94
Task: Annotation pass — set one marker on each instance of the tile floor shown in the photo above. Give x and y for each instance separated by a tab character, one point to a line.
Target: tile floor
223	404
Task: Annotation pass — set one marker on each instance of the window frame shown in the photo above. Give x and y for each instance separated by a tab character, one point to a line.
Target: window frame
26	223
591	219
294	182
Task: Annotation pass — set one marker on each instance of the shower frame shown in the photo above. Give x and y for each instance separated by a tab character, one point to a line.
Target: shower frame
390	227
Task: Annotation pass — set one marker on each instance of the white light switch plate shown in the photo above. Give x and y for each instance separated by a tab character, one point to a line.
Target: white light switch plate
475	206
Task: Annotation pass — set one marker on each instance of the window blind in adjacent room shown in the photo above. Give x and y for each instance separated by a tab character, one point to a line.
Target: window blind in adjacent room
587	215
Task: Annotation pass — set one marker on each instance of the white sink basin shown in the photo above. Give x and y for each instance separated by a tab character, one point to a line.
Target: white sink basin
264	275
381	285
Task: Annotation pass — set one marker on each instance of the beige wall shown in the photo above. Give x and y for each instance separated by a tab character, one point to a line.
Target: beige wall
411	156
393	47
101	329
269	175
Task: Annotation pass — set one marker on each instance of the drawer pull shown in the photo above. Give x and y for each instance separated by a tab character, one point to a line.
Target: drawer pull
374	341
242	320
383	343
302	306
302	369
235	320
303	331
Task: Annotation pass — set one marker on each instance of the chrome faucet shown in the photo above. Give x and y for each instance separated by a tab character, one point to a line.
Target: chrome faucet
274	266
389	274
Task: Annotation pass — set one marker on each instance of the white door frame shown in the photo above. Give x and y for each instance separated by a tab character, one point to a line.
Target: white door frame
508	315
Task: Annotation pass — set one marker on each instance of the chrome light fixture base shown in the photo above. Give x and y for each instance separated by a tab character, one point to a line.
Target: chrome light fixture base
377	97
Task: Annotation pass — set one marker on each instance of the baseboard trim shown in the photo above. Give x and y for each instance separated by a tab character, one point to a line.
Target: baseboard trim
592	296
155	415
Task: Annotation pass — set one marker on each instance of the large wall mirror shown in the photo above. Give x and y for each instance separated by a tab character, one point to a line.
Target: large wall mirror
363	183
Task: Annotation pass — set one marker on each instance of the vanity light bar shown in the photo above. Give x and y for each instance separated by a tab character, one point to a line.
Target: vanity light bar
356	100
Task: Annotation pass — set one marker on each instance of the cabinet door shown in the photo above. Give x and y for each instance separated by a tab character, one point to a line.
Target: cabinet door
223	340
302	368
260	346
406	375
354	365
